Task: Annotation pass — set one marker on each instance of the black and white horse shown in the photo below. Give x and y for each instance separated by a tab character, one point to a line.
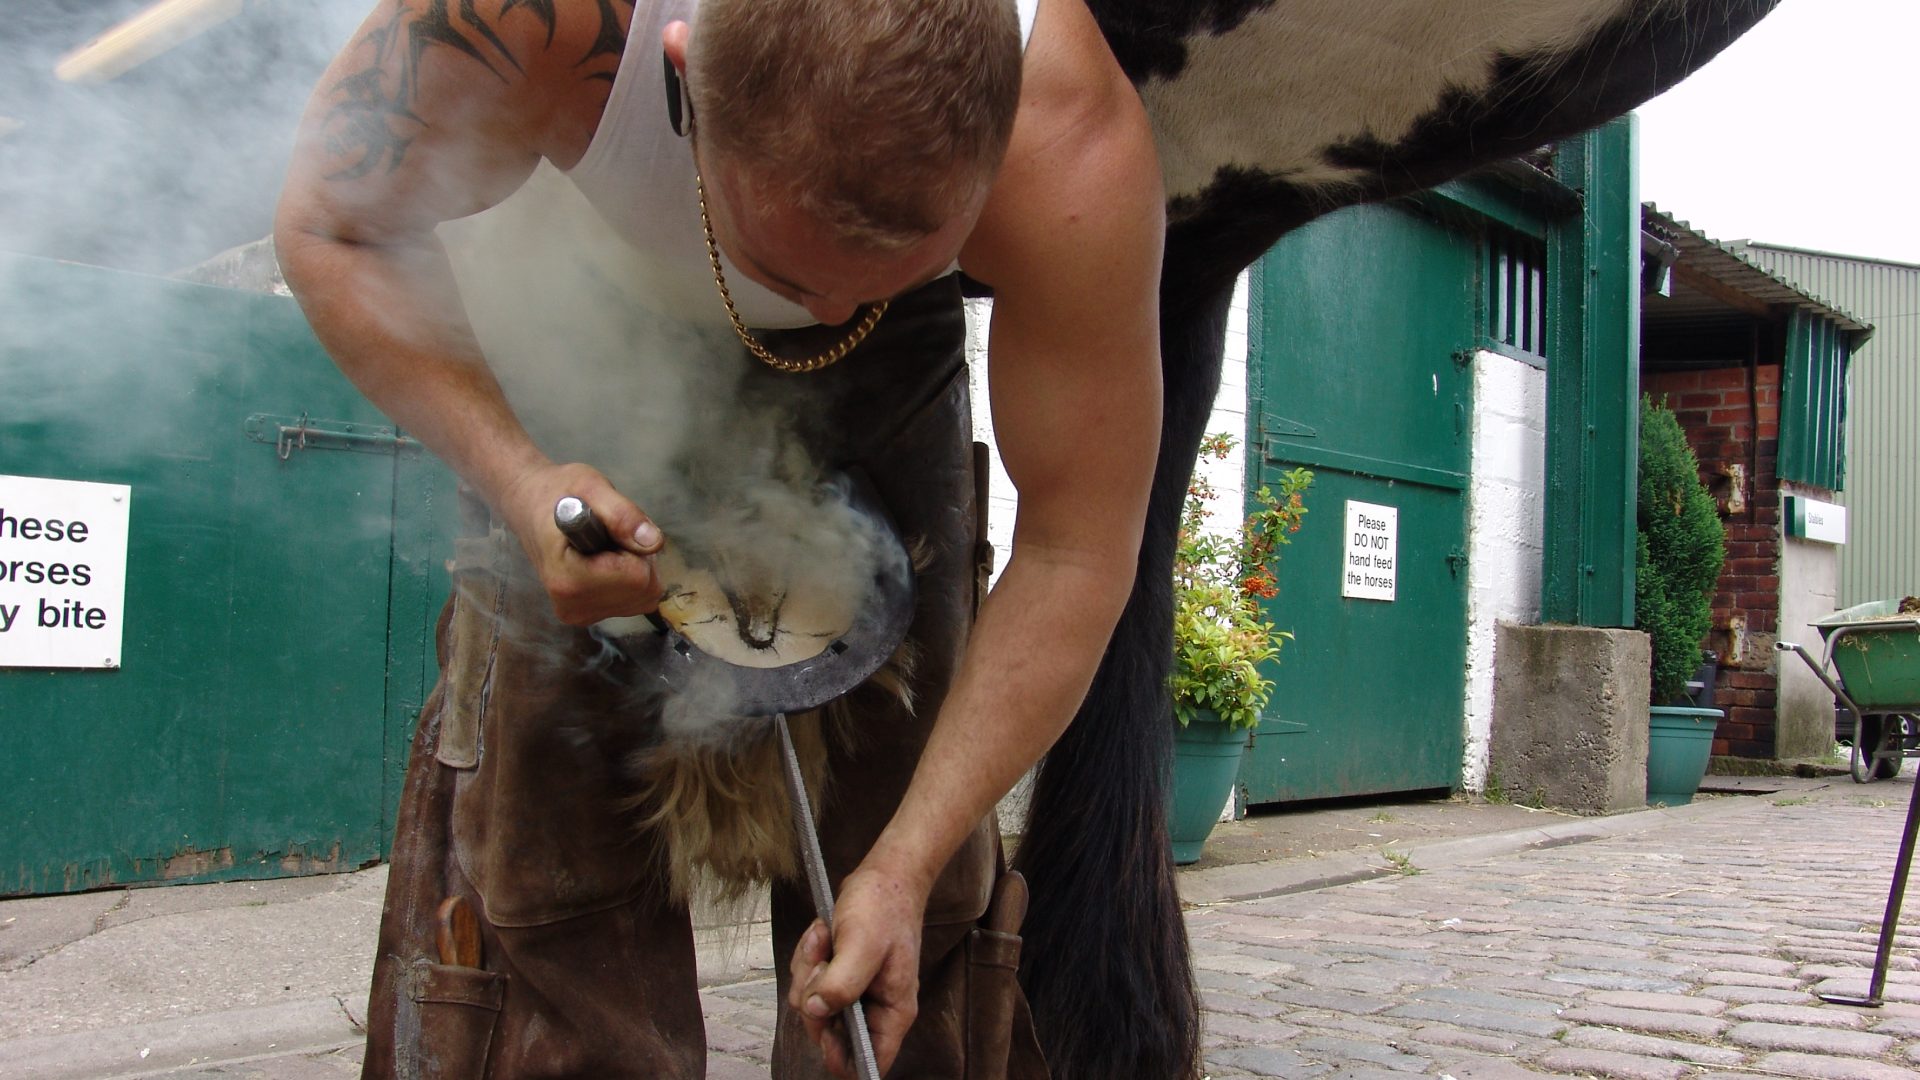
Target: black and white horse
1267	114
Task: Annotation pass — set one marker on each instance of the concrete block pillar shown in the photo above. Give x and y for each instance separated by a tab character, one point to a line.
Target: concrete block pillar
1570	716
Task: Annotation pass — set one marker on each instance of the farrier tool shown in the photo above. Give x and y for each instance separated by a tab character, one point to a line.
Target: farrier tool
846	661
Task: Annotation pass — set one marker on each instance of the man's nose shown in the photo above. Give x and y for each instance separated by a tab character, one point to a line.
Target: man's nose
830	312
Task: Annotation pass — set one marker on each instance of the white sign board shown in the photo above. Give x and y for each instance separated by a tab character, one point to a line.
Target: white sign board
1812	519
63	572
1373	551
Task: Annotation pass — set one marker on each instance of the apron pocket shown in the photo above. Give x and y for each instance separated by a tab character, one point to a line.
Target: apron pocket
458	1007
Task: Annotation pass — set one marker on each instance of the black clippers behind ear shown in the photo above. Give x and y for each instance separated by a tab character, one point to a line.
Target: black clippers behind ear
679	107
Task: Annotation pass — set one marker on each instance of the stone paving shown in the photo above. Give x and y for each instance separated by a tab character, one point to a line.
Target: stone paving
1692	950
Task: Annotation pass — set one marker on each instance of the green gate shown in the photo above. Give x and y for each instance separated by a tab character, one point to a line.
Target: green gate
1361	331
281	587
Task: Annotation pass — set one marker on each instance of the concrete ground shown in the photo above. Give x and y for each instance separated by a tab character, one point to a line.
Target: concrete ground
1442	937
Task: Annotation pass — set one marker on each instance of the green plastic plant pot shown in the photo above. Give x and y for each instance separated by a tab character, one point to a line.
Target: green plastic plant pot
1679	743
1206	762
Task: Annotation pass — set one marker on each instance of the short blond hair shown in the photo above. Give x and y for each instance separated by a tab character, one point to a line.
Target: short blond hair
879	117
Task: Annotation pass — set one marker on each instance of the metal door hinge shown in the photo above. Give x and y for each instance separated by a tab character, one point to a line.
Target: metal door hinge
1456	561
1280	425
289	433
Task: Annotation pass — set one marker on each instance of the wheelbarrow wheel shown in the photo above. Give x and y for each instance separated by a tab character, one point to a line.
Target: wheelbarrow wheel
1878	748
1893	750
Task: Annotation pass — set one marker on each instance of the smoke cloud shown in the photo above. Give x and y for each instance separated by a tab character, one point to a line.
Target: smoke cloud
160	169
653	401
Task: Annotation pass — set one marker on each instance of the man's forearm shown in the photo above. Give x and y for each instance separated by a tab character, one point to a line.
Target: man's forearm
1029	662
392	320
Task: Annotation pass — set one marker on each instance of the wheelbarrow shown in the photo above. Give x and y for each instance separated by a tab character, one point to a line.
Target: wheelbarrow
1873	650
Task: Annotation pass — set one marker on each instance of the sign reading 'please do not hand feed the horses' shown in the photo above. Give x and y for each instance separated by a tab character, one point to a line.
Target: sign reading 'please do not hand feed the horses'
1370	571
63	572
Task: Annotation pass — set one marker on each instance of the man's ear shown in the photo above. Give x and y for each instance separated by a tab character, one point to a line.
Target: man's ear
679	109
673	54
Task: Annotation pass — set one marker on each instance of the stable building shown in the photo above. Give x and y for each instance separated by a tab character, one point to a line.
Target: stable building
1758	372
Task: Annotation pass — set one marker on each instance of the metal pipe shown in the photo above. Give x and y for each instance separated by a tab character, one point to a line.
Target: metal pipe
1890	921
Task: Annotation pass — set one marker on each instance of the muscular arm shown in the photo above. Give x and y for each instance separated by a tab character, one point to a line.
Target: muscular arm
1071	242
431	113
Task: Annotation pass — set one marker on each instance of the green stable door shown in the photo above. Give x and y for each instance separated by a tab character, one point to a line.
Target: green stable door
1361	327
281	582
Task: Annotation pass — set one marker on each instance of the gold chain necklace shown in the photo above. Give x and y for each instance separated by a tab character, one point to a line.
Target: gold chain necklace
766	356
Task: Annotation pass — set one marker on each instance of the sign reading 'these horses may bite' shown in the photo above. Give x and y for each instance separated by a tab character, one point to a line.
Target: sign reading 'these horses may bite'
63	572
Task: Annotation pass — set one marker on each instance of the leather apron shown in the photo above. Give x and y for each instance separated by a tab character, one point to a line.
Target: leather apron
515	792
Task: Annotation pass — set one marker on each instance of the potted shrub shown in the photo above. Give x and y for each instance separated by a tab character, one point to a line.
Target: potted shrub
1220	639
1681	548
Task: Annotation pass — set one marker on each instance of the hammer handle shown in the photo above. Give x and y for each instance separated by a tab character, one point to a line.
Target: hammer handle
575	520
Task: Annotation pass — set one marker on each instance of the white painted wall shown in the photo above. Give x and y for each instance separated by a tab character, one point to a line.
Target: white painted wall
1809	591
1229	415
1505	498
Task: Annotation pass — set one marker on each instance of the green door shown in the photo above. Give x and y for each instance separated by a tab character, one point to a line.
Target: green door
1356	324
275	642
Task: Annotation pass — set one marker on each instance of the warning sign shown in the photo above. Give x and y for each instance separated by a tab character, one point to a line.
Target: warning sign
1373	551
63	572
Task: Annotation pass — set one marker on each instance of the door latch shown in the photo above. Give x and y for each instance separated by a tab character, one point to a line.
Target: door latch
1456	561
289	433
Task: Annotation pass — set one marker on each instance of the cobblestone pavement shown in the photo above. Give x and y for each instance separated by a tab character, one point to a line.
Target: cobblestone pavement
1692	950
1689	950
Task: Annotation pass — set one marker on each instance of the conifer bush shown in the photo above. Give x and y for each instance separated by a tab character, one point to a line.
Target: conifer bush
1681	548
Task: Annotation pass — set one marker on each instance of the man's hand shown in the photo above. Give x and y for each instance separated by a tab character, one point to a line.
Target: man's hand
873	956
585	588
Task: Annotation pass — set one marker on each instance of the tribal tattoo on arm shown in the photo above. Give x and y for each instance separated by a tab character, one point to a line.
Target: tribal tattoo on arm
373	121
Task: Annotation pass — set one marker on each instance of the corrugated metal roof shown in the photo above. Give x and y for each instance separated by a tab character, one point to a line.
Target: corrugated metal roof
1738	272
1880	558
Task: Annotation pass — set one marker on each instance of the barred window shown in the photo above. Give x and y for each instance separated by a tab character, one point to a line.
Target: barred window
1516	291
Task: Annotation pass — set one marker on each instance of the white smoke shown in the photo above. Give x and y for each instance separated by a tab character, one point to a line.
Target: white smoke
653	401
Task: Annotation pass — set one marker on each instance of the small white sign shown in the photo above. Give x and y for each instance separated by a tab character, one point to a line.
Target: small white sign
1373	551
1812	519
63	572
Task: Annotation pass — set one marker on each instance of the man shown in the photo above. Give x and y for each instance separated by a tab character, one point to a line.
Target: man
844	153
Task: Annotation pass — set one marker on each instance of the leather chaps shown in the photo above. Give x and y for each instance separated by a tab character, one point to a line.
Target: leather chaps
516	795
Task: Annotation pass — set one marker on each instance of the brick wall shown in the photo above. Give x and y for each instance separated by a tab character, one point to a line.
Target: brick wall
1719	415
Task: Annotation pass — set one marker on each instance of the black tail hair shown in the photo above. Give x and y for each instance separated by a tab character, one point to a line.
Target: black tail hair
1105	962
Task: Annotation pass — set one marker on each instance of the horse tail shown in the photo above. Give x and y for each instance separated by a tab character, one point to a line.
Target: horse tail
1105	964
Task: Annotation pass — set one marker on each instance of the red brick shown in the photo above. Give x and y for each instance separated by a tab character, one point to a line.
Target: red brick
1706	399
1757	717
1736	415
1667	382
1755	680
1725	378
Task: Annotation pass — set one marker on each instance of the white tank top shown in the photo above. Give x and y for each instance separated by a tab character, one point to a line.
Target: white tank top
639	176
